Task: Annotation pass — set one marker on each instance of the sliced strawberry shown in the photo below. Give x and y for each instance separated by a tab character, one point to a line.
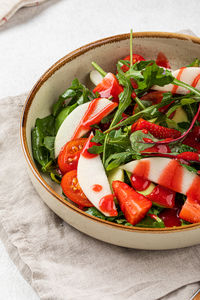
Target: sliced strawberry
193	156
133	205
190	211
109	87
157	131
162	196
162	61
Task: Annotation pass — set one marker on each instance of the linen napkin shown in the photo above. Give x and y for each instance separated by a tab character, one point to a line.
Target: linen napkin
9	7
62	263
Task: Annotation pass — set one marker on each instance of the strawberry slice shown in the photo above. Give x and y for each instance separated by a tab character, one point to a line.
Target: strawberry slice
189	156
133	205
190	211
162	61
157	131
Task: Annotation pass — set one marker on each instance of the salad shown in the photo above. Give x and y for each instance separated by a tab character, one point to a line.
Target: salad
128	151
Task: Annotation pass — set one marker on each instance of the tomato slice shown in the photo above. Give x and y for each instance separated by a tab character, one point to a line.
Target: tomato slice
133	205
69	155
136	58
72	189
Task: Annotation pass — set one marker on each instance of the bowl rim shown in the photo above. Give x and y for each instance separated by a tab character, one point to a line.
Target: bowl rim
56	66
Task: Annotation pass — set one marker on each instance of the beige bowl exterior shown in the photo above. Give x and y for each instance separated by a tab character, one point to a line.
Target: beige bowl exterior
180	50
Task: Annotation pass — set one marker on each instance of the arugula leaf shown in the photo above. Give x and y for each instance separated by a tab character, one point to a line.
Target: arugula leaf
93	211
148	113
120	139
180	148
96	149
98	137
124	102
146	74
120	219
184	223
148	222
195	63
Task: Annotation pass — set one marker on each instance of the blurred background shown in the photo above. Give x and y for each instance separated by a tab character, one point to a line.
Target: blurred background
34	38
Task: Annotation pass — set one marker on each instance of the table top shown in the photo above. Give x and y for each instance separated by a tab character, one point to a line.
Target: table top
37	37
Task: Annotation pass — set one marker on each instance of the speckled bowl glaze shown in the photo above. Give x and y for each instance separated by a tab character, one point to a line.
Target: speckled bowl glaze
180	50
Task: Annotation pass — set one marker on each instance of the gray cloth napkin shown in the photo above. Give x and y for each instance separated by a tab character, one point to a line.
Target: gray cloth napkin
9	7
62	263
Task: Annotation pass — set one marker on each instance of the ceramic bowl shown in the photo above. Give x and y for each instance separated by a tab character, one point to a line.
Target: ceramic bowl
180	50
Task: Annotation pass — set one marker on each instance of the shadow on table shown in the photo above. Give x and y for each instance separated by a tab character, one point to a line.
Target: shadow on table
25	14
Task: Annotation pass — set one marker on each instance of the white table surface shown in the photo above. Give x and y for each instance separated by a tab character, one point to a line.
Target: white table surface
37	37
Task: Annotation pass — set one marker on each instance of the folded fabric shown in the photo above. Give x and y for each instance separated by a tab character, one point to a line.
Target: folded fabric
63	263
9	7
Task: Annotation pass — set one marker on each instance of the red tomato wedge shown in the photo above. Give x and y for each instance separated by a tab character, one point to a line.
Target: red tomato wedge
109	87
190	211
133	205
72	189
69	155
162	61
135	57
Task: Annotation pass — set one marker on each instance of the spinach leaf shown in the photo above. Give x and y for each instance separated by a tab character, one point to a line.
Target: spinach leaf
63	114
137	141
117	159
43	135
49	144
46	125
76	93
40	153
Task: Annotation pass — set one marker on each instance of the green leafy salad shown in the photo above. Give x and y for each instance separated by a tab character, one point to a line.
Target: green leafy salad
129	151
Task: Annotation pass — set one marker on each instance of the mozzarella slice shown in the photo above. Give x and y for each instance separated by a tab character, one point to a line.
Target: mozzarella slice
69	125
186	75
166	172
95	77
91	175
